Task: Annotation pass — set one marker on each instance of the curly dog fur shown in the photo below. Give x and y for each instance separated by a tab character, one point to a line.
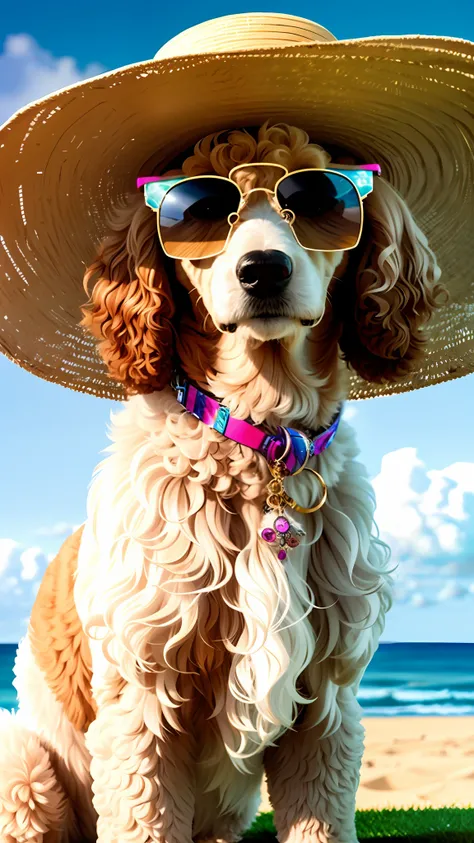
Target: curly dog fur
172	659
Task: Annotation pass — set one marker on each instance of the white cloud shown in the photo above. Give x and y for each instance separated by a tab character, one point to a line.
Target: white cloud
349	411
22	569
31	560
20	578
61	528
451	569
9	585
419	600
28	72
427	517
7	547
452	590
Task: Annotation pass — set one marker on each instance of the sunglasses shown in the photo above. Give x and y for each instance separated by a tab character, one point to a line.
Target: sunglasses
323	207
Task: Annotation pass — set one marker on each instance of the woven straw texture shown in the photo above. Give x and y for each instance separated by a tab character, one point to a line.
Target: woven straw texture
405	102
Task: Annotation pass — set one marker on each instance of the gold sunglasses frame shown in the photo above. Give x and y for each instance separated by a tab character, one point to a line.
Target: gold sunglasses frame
272	193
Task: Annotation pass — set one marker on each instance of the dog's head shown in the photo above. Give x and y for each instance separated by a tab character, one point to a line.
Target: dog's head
372	301
265	285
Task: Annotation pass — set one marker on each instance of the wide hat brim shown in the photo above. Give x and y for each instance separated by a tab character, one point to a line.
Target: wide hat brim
66	160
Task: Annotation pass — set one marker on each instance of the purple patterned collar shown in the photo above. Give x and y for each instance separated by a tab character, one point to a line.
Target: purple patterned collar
299	446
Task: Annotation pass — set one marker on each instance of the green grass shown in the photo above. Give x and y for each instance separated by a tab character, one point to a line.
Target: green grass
424	825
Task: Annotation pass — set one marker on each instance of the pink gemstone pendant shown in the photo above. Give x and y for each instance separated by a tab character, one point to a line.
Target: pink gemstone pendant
292	541
281	524
282	534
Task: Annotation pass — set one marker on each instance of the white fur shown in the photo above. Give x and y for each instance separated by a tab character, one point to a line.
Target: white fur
40	713
262	228
205	647
136	530
126	532
278	641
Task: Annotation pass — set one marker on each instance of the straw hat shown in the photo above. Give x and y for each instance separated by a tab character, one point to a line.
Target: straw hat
405	102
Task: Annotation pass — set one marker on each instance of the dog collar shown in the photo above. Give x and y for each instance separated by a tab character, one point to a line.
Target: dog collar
288	446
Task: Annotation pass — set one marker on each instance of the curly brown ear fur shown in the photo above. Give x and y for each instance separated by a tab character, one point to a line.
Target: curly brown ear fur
394	293
130	307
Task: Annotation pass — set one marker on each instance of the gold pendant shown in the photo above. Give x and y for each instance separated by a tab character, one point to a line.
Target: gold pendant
278	498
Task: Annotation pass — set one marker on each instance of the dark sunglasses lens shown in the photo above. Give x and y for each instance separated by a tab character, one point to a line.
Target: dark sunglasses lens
327	209
193	217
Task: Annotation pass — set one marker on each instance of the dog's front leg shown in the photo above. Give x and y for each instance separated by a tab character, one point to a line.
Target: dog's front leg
142	773
312	781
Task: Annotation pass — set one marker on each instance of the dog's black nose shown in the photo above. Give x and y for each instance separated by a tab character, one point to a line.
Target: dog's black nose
264	274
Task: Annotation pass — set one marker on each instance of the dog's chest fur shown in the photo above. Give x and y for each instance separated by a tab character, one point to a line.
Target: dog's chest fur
172	546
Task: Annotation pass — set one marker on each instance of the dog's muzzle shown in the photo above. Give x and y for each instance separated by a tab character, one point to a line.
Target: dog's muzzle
264	274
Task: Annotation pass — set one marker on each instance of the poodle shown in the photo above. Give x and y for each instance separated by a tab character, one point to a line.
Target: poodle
173	658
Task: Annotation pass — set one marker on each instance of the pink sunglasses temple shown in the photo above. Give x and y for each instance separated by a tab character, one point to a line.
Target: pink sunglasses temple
374	168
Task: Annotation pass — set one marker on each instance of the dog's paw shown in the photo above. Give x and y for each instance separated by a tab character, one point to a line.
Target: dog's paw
32	802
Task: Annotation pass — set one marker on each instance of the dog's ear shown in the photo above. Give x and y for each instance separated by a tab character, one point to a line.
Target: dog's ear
130	307
388	292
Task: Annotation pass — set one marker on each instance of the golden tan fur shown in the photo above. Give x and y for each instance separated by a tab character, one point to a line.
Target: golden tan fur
58	642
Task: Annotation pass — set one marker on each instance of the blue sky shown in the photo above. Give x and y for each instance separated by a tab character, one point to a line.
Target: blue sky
418	447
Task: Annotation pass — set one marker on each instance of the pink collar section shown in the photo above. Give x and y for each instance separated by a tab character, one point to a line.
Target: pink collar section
272	446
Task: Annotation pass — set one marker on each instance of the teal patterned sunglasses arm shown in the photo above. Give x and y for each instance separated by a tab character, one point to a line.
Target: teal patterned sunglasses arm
156	188
362	177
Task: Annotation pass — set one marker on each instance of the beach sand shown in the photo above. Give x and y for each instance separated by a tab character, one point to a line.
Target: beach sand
415	761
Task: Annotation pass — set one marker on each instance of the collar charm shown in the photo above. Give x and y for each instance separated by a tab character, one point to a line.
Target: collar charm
287	453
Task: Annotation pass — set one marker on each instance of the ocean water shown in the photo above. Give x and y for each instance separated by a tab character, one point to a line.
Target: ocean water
402	679
7	691
419	679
